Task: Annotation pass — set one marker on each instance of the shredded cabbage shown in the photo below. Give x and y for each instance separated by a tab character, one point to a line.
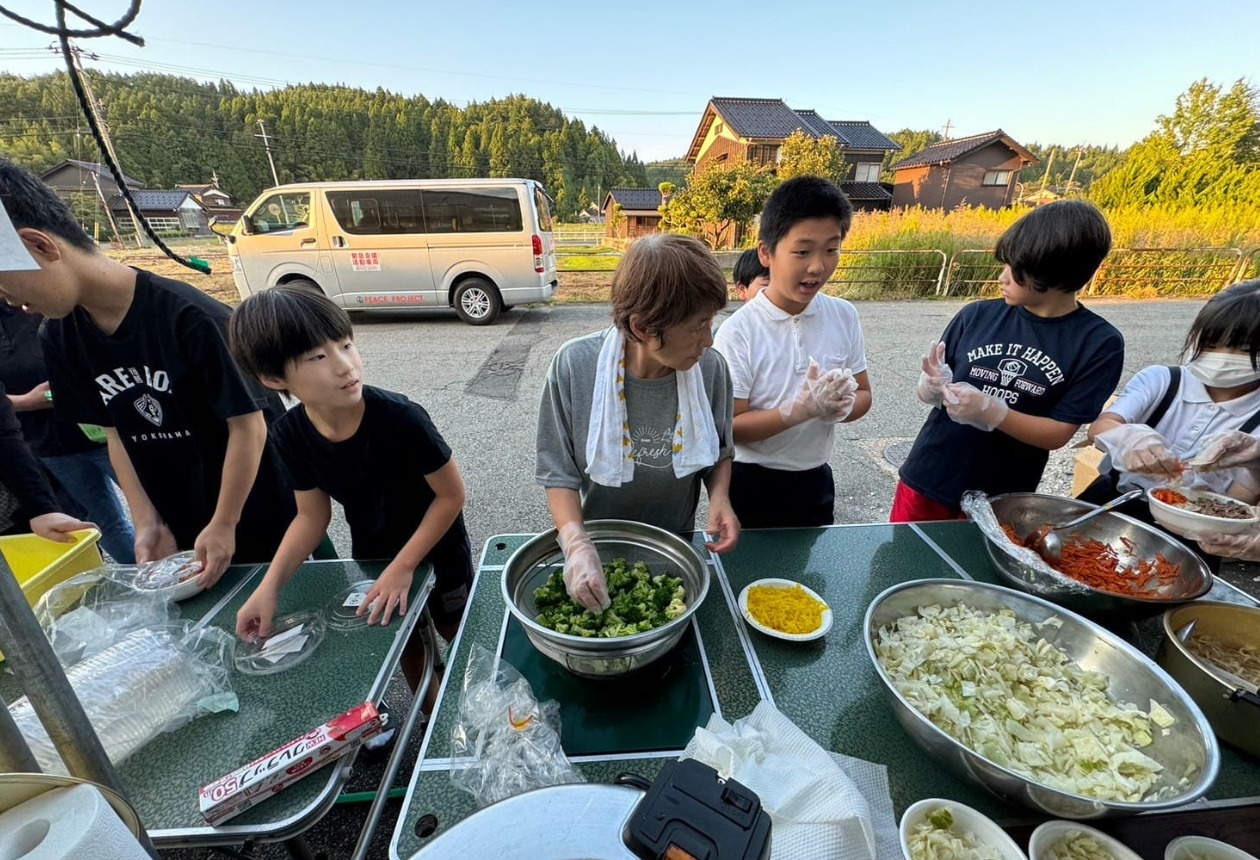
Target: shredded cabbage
936	838
990	682
1077	846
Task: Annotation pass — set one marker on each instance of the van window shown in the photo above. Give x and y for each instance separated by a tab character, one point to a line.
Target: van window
286	211
480	210
545	224
375	211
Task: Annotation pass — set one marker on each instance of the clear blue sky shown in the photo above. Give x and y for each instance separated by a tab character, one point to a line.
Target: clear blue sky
1066	72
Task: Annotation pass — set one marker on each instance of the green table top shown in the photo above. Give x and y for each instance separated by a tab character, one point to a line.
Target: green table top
827	687
348	669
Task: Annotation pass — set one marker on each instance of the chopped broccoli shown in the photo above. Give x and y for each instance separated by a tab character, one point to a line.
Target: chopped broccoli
639	602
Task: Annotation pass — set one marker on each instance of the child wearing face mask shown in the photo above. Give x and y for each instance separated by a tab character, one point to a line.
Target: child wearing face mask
1167	415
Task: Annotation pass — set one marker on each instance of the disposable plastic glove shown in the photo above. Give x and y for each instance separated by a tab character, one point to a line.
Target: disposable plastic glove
837	396
1244	547
809	401
966	404
1138	449
935	376
583	573
1228	450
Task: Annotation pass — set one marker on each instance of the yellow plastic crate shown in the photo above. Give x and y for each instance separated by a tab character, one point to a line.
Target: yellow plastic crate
40	564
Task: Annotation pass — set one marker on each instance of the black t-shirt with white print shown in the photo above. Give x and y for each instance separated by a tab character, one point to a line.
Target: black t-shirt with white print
166	382
1062	368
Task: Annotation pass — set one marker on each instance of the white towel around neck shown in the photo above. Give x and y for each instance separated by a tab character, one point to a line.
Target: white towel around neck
609	452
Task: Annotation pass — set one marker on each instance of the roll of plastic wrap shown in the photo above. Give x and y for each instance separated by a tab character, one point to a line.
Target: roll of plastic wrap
66	823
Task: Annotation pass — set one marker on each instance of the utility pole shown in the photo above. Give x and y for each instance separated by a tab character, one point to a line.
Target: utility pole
105	203
949	123
1046	177
1071	177
99	113
267	146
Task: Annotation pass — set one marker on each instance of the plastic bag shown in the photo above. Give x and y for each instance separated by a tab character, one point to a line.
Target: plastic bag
92	611
512	739
152	681
1037	576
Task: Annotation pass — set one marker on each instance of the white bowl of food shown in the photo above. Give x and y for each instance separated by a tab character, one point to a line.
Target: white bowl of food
1070	840
1201	511
796	602
1202	848
934	825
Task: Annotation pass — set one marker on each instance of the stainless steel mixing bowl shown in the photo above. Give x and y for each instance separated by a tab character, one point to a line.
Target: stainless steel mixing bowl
1029	511
661	551
1189	744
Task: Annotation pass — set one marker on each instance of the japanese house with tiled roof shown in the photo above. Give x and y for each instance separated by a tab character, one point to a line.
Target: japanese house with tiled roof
632	212
980	170
753	130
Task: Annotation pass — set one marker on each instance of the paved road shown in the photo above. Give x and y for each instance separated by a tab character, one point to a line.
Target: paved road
482	385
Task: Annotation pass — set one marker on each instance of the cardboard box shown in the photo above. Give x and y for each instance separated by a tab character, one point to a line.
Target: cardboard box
1085	468
233	793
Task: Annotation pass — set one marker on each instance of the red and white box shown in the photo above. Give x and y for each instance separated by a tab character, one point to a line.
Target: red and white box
246	786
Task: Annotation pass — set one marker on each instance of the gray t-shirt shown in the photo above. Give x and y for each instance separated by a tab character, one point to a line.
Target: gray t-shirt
655	496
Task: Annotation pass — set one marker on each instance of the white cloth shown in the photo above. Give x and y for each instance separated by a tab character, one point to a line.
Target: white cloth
817	809
768	350
609	455
1191	420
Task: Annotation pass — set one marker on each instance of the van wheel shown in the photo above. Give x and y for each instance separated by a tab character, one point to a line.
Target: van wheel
477	301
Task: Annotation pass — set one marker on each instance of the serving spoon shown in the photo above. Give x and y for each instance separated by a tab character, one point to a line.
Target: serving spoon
1049	546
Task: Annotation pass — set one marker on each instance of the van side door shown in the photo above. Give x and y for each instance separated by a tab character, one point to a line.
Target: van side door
376	237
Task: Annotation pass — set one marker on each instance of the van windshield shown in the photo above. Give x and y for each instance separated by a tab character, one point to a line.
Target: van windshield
545	223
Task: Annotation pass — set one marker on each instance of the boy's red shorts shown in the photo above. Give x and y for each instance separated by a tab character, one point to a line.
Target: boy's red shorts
910	506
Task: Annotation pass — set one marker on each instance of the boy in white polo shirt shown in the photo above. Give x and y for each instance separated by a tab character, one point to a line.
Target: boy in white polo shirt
797	362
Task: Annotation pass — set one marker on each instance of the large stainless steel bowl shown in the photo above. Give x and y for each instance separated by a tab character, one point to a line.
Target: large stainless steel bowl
1234	717
1189	746
661	551
1029	511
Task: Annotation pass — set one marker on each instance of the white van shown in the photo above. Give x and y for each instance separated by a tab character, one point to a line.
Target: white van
477	245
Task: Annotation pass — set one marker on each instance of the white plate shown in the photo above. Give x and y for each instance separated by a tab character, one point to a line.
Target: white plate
1181	521
1051	832
777	634
965	818
1200	846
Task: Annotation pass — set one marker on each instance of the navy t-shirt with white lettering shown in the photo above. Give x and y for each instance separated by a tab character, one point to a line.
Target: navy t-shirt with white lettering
166	382
1062	368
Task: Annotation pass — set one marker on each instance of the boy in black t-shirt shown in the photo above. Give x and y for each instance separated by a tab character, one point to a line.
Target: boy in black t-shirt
375	452
146	358
1027	369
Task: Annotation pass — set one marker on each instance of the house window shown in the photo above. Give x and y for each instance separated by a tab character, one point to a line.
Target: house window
867	172
719	128
996	177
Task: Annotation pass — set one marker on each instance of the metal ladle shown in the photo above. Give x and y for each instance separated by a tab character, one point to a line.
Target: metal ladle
1049	546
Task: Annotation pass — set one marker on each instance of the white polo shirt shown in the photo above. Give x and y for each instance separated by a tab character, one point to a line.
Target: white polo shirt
768	350
1191	420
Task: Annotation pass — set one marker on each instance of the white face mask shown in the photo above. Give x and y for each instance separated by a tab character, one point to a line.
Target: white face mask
1223	370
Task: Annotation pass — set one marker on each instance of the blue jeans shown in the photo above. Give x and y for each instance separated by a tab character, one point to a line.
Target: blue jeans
89	479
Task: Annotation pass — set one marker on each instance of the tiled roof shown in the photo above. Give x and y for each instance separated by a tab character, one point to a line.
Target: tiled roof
865	191
92	167
151	201
636	198
817	126
862	135
949	150
765	118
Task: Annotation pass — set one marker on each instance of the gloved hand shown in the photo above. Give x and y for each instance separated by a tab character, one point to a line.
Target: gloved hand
966	404
805	405
583	573
837	396
1228	450
1138	449
1244	547
935	376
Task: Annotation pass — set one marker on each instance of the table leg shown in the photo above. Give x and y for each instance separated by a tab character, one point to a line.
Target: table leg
400	743
298	849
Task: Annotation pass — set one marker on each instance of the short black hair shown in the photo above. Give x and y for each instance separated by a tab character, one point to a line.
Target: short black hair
1230	320
799	200
273	327
749	268
31	203
1058	246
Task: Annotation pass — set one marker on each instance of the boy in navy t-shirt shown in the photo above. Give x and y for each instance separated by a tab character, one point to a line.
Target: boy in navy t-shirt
375	452
1014	378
